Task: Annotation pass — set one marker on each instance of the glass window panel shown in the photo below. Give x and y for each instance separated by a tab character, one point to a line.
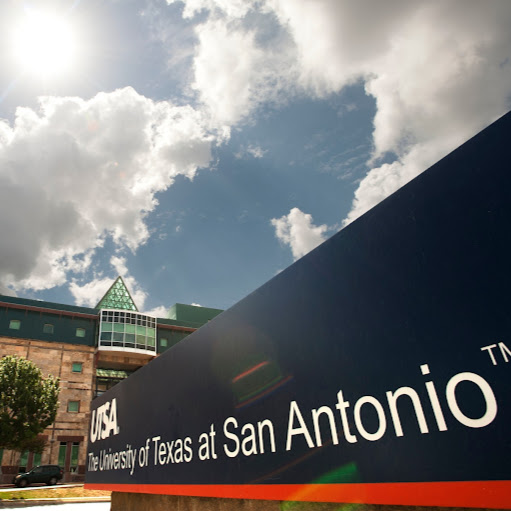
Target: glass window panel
151	332
24	459
130	329
37	459
48	328
102	384
106	327
77	367
140	330
163	343
118	336
74	456
129	338
150	341
62	454
106	336
119	327
80	332
73	406
14	324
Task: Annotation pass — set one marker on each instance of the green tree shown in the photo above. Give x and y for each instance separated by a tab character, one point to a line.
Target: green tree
28	403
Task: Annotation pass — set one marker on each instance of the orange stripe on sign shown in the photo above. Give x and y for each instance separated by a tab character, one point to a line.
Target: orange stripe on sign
482	494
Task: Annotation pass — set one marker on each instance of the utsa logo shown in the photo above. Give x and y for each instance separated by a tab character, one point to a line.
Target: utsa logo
104	421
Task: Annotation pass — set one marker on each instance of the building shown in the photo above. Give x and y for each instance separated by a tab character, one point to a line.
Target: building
90	350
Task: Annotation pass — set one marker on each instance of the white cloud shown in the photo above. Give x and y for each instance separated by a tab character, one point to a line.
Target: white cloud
384	180
158	312
233	8
4	290
78	170
253	150
297	230
451	77
90	293
439	71
137	293
256	151
235	72
119	263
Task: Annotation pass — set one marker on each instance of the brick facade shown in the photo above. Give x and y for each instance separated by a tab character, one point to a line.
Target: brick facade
57	359
63	340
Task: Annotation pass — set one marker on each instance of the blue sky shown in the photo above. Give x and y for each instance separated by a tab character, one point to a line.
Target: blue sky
199	147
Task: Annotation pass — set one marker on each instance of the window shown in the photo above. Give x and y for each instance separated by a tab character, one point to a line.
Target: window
74	456
73	406
107	378
163	343
48	328
62	454
68	456
80	332
37	459
14	324
22	467
77	367
127	330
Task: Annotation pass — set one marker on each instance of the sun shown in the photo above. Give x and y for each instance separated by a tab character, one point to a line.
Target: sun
43	45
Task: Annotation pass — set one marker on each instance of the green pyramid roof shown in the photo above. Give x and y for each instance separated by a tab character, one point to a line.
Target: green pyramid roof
117	297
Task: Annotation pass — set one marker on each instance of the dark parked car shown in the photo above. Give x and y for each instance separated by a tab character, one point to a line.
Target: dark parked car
49	474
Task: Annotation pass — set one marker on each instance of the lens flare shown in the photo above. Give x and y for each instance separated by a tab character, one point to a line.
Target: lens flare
43	44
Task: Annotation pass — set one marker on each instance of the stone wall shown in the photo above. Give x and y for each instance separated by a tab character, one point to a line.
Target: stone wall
150	502
122	360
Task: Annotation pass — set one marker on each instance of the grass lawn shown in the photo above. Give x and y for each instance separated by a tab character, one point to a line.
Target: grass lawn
53	493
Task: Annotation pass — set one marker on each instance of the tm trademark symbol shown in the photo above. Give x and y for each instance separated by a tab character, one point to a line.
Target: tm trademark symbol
504	350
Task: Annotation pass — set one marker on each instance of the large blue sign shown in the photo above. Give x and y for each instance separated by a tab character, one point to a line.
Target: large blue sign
375	369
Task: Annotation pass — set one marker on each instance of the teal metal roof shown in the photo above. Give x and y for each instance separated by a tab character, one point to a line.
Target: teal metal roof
194	315
187	315
174	322
48	305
